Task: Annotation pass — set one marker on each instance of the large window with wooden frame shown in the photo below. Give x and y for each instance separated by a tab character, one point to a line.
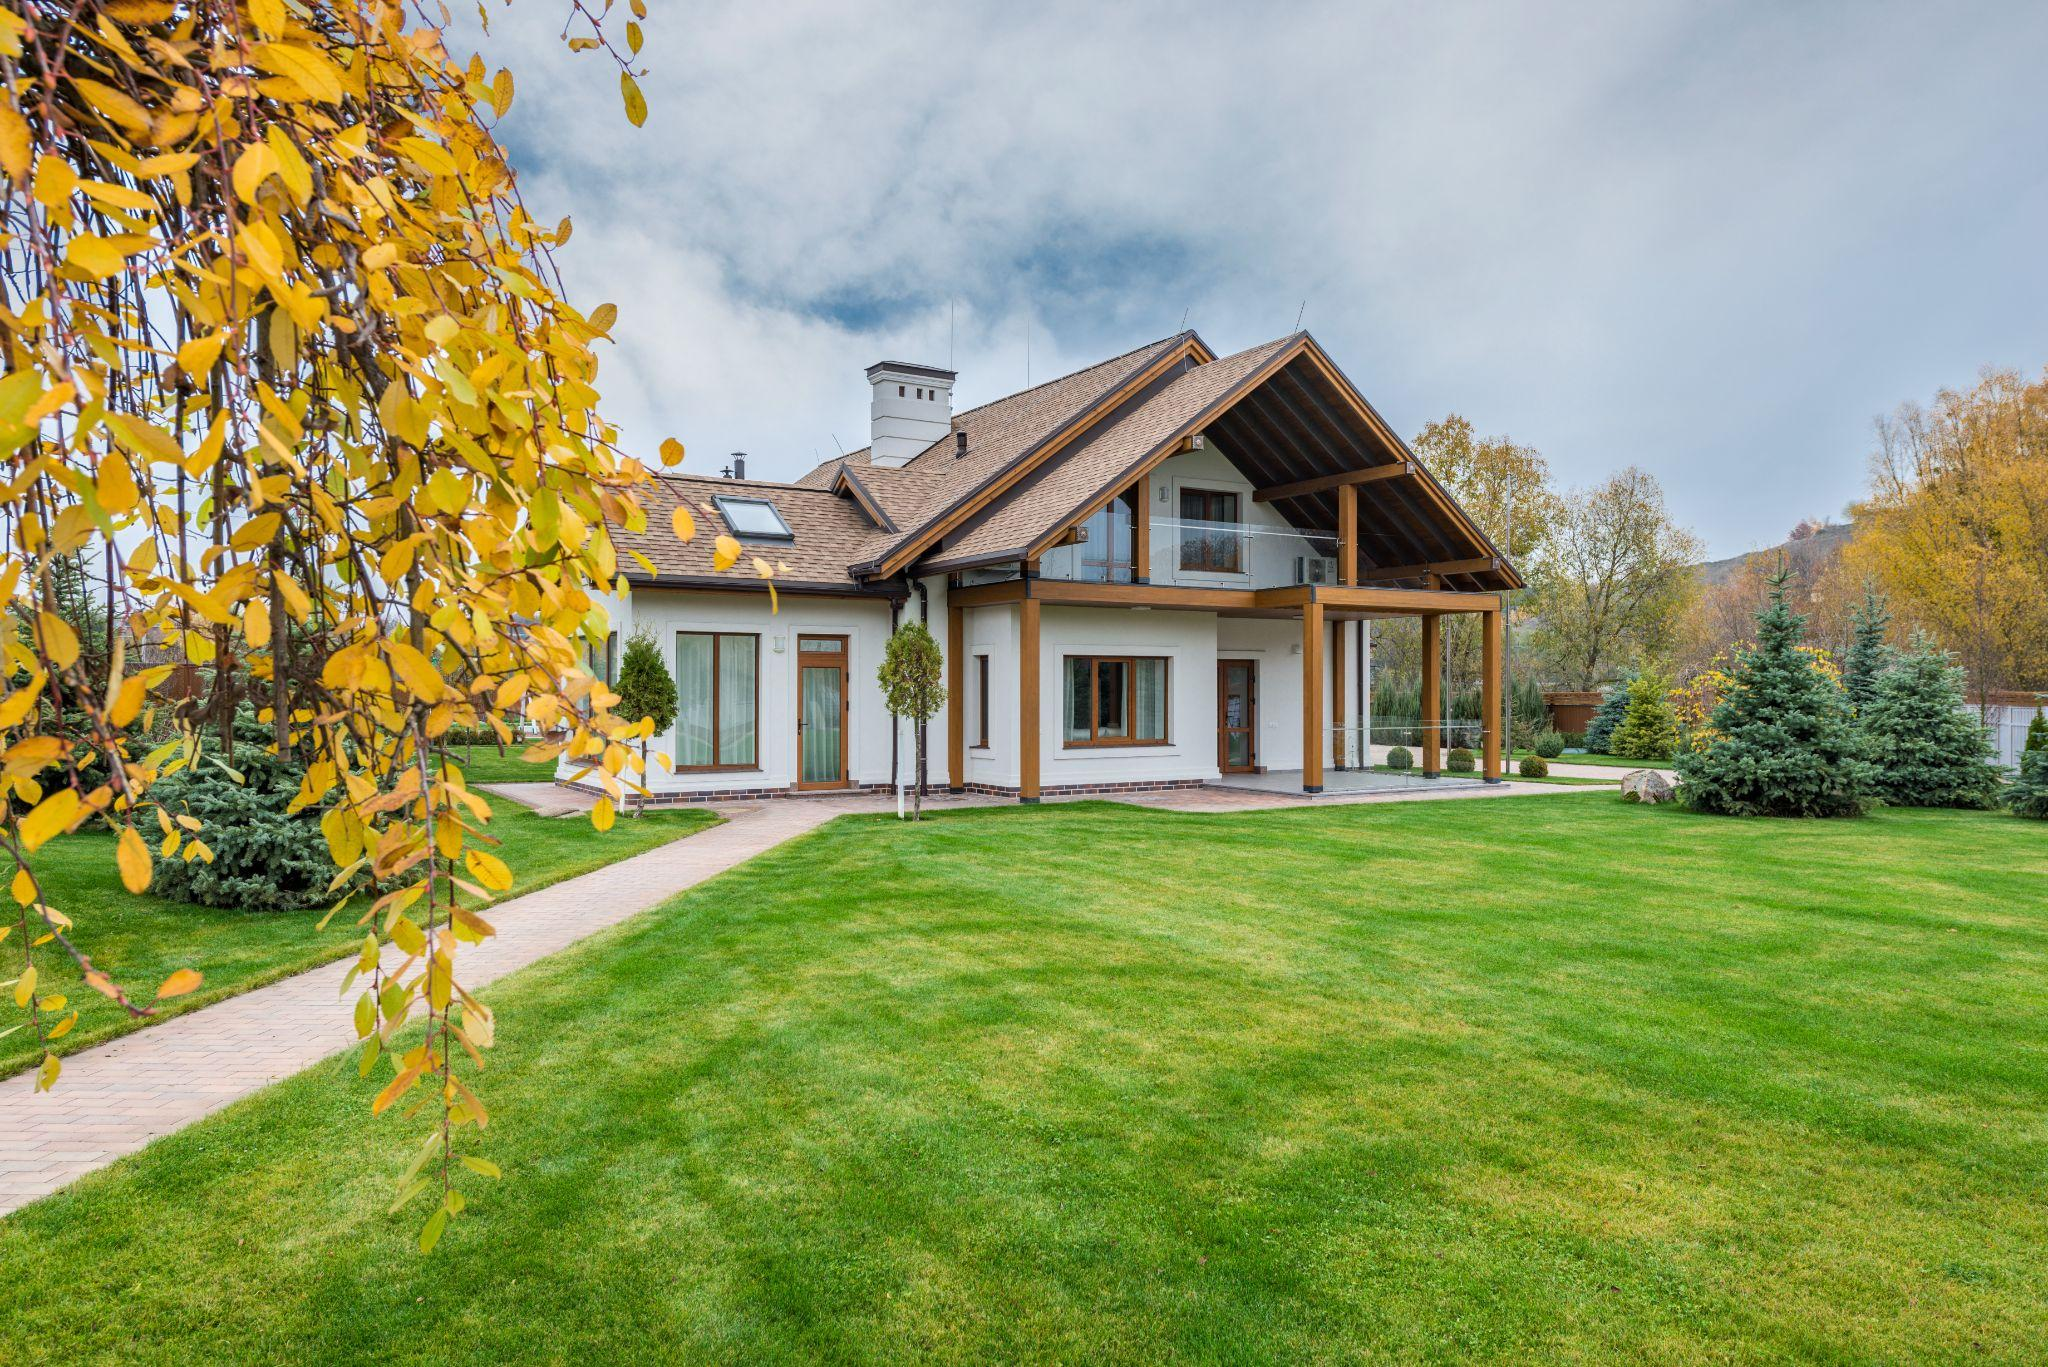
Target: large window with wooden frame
1115	700
718	692
981	702
1210	539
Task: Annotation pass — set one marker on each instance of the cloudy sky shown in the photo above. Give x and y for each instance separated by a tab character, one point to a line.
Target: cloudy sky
1712	240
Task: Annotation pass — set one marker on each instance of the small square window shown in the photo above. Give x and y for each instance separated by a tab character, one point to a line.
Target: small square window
899	391
753	518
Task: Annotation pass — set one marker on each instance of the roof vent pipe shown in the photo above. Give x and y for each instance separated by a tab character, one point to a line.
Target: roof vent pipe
738	468
959	444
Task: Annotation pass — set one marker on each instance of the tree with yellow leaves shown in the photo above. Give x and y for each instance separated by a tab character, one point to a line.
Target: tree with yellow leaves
1955	530
286	353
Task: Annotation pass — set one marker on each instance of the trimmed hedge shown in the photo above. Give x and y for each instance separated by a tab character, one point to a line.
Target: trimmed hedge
1400	758
1459	761
1535	766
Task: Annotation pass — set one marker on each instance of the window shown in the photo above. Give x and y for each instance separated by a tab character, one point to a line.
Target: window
1115	700
1209	531
753	517
900	391
1106	544
603	661
981	702
718	686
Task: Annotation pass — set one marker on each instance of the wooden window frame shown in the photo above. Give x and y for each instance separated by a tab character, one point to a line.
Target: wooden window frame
981	710
1096	741
1236	541
715	767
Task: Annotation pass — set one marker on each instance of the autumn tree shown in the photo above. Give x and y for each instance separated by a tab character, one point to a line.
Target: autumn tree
1955	528
1615	581
286	355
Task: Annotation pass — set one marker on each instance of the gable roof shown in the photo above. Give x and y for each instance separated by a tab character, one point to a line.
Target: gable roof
831	533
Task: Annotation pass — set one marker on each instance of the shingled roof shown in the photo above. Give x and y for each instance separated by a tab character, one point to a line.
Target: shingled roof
831	534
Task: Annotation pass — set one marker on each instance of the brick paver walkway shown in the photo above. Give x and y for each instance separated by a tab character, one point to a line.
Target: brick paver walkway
117	1097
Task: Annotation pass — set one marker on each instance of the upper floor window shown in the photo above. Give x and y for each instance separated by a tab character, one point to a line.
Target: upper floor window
1210	538
753	517
1106	544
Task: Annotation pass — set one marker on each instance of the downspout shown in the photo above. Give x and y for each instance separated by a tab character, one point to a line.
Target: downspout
924	615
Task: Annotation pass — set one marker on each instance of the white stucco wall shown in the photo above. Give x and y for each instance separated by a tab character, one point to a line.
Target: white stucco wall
865	624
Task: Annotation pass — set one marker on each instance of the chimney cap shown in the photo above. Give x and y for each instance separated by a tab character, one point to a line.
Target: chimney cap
907	368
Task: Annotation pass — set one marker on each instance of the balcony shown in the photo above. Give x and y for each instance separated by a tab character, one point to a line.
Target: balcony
1193	554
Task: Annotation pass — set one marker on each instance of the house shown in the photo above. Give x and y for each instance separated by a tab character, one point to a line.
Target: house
1154	572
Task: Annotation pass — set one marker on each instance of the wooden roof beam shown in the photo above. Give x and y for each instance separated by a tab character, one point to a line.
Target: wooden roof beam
1476	565
1397	470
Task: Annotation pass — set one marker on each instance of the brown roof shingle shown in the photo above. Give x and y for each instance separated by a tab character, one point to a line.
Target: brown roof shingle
832	532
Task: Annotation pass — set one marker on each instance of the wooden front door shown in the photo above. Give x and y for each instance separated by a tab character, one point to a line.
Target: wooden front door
821	711
1237	716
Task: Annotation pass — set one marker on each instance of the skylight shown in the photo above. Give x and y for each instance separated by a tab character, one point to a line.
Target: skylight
753	517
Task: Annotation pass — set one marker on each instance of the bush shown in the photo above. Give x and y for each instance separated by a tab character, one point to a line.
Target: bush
1535	766
1922	735
2037	732
263	859
1399	758
1575	740
1613	706
1459	761
1550	745
1649	729
1783	744
2028	795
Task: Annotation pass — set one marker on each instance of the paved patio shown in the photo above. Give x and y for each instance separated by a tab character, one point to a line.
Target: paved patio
115	1098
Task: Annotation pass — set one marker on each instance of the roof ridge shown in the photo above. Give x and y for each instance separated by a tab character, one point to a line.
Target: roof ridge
1061	379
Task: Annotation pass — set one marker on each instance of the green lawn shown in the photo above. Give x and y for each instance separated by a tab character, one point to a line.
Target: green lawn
485	765
140	940
1556	1080
1602	761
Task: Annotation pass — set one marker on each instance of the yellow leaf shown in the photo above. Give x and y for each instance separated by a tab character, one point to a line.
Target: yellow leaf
256	163
396	1088
256	623
636	103
725	552
122	111
501	92
406	934
24	887
128	701
197	356
133	857
602	815
25	987
310	70
269	16
685	525
60	642
448	491
178	984
116	485
429	155
482	1167
46	1076
16	145
380	256
62	1027
366	1015
51	815
416	670
103	257
671	451
490	870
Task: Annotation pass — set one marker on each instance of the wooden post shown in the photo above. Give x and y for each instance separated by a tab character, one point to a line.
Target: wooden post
1141	532
1489	692
1337	715
1347	534
1027	706
956	699
1432	693
1312	697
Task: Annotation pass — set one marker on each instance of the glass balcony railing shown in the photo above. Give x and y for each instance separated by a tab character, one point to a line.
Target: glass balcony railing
1194	554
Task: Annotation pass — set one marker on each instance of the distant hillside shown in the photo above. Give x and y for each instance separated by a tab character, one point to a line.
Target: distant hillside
1809	541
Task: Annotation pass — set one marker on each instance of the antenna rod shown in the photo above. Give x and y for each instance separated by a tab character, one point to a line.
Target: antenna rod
1297	314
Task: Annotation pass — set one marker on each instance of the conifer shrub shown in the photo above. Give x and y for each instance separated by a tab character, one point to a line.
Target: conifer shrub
2037	733
1400	758
1460	761
1613	707
1549	745
1922	736
1649	727
1783	742
1535	766
264	857
1868	655
2028	795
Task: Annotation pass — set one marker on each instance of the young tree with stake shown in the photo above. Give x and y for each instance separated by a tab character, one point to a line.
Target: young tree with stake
913	685
646	693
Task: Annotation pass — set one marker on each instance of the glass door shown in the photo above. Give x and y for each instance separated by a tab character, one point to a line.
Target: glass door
1237	707
821	711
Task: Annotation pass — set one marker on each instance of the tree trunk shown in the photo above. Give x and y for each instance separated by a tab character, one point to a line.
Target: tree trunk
917	807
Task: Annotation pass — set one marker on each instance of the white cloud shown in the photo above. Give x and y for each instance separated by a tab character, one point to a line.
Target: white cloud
1709	240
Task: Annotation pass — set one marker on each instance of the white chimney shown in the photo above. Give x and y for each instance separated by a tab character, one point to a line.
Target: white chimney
912	408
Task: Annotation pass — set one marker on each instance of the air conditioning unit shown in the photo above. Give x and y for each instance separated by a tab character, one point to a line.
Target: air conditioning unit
1315	569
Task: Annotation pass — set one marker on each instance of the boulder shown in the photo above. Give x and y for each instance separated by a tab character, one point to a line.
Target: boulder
1647	785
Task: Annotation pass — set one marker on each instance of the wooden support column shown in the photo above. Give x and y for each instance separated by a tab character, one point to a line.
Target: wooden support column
1347	534
1489	692
1337	714
1432	694
1312	697
956	698
1027	705
1141	531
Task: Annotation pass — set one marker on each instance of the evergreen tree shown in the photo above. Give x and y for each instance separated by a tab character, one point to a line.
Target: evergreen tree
1929	749
1785	745
1649	728
2028	795
913	684
1868	654
2037	733
646	692
1613	707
